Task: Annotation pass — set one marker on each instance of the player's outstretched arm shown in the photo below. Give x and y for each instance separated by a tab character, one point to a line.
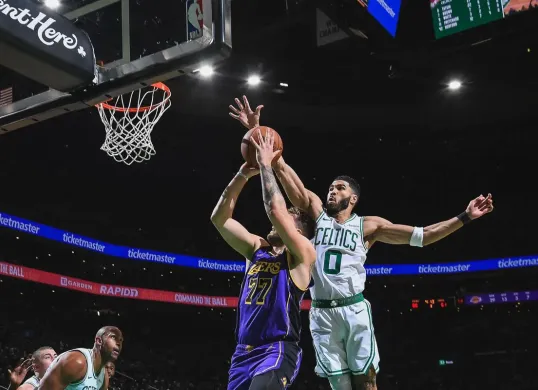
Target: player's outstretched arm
71	368
275	205
379	229
235	234
297	193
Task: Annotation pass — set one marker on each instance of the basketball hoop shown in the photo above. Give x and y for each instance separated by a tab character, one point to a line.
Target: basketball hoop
130	120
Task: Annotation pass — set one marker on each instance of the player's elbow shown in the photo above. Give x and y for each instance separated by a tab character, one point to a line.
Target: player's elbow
309	256
217	219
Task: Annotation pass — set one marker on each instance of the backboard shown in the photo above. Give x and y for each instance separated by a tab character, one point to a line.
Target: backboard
136	43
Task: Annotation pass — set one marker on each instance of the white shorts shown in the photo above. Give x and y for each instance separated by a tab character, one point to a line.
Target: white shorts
344	340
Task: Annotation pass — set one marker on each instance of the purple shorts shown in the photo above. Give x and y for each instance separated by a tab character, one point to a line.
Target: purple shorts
247	362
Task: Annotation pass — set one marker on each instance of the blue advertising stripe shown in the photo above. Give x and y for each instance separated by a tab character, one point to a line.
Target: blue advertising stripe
106	248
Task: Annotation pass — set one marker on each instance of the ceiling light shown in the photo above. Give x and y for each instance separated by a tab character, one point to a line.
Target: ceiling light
52	4
454	85
254	80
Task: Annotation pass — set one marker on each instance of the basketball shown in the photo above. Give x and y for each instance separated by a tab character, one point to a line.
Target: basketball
248	150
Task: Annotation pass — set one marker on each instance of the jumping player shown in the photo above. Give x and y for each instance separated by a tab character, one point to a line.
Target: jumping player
278	272
83	368
340	318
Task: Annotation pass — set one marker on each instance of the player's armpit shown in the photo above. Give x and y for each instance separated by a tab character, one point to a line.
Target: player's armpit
300	272
239	238
71	368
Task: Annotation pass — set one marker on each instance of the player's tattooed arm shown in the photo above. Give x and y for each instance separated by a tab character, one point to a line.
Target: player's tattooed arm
275	205
272	197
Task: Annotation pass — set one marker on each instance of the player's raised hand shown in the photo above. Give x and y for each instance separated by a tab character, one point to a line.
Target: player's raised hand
265	153
480	206
244	114
19	373
249	171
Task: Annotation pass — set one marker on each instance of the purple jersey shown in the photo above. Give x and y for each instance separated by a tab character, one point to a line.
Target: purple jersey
270	302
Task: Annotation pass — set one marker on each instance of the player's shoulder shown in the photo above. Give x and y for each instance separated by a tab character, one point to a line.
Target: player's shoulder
372	219
373	223
74	361
321	216
261	246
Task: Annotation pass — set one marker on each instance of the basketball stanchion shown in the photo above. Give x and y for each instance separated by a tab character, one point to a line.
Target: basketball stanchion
129	120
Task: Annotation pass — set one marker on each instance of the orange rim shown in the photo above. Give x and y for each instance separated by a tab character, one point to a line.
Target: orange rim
160	86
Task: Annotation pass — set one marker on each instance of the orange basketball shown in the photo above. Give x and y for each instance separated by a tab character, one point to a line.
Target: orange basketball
248	150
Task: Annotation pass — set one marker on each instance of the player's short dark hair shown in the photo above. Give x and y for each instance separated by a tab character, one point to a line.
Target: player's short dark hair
303	221
37	352
355	187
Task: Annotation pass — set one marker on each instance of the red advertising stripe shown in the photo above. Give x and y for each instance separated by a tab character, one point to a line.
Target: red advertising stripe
51	279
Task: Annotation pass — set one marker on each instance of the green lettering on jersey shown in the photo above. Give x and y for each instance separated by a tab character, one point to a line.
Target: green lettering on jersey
331	237
354	238
332	262
317	241
325	237
346	233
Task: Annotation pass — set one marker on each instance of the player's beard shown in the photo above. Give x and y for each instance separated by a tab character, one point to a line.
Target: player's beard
335	208
274	239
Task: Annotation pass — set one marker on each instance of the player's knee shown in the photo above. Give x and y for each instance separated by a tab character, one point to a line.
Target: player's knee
365	382
340	382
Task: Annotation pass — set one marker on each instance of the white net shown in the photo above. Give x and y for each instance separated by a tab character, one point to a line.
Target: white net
129	120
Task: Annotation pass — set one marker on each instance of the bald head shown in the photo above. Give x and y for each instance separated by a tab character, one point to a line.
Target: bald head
105	330
109	343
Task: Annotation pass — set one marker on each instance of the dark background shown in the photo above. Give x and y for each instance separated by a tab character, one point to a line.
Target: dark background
378	111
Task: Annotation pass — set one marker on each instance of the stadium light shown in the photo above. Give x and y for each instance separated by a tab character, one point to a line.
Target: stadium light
454	85
52	4
254	80
206	70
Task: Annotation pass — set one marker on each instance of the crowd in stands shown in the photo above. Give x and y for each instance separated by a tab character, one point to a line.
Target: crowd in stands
170	347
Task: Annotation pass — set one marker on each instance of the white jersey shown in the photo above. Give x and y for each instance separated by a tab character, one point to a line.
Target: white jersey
32	381
91	381
340	256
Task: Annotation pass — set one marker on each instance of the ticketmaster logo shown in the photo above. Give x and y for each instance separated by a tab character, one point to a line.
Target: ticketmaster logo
25	227
140	255
378	271
517	263
220	266
443	269
81	242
